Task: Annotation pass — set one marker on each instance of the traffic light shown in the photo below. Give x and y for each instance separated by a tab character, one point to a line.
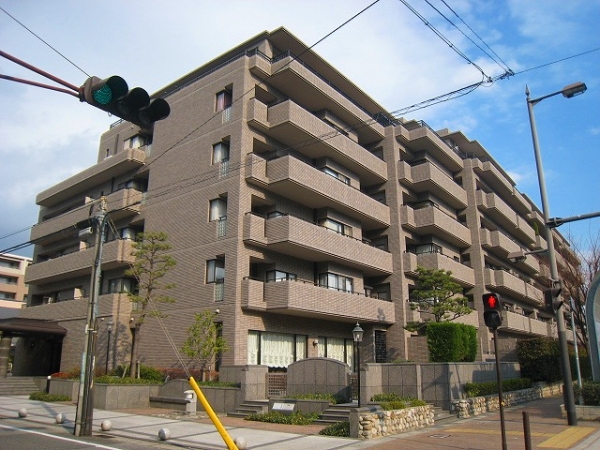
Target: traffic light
113	95
551	297
492	310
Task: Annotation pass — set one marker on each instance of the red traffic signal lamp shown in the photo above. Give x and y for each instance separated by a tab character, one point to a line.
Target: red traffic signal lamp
113	96
492	310
552	299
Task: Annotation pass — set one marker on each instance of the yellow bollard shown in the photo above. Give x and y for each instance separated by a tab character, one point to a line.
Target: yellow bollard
215	420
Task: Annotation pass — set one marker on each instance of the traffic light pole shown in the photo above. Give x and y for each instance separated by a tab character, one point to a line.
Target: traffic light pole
568	395
85	401
500	395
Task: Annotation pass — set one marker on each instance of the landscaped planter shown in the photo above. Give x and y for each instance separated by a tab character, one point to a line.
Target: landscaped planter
583	412
373	422
479	405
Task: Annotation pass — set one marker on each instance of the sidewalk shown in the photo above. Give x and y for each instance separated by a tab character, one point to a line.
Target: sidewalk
548	429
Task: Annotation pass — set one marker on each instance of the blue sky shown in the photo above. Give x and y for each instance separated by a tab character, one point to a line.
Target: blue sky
387	51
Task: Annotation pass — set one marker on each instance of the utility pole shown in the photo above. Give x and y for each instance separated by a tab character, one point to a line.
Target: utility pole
85	402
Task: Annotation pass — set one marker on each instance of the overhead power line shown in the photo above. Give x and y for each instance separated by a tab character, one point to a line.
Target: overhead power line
55	50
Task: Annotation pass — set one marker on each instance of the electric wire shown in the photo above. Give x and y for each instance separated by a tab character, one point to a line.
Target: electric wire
42	40
503	67
443	38
252	89
557	61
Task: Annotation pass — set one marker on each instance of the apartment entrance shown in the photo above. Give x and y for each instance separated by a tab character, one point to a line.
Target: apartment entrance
38	346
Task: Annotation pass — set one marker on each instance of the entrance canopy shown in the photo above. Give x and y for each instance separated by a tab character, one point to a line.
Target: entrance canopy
16	326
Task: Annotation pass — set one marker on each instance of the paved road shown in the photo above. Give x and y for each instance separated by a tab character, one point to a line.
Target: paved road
140	431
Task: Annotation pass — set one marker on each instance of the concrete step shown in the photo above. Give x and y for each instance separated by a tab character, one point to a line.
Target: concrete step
18	386
250	407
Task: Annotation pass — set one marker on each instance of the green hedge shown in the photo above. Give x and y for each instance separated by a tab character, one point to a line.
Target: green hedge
451	342
43	397
392	401
590	393
540	360
296	418
340	429
491	387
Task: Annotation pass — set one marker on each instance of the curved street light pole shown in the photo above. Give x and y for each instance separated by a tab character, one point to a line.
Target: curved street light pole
568	92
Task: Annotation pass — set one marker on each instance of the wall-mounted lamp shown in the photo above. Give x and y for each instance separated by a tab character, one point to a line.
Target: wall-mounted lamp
315	342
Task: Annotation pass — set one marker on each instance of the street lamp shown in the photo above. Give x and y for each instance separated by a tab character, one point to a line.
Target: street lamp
109	326
568	91
357	334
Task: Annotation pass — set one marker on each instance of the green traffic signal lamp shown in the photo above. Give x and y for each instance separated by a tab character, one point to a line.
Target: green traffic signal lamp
492	310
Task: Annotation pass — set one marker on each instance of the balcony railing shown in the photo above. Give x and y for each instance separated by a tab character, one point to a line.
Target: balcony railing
305	299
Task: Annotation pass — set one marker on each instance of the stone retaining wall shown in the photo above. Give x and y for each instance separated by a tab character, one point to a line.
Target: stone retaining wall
373	422
480	405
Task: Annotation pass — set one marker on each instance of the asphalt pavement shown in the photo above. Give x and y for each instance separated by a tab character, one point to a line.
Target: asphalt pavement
548	429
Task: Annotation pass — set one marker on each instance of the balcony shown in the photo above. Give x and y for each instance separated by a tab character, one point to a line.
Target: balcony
497	209
297	298
462	274
296	127
418	136
302	183
295	78
115	254
295	237
121	204
518	323
501	245
426	177
505	283
500	182
116	165
108	304
431	220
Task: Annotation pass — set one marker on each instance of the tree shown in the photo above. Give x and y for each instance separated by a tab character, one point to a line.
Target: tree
152	263
577	272
435	293
204	343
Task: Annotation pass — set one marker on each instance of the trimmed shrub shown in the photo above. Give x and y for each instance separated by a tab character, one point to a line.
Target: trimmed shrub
392	401
590	391
340	429
539	359
43	397
491	387
451	342
296	418
329	397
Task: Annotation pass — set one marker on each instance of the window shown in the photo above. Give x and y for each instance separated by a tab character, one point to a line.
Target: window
122	285
382	291
7	280
9	264
223	100
136	141
336	348
337	282
380	346
7	296
336	226
343	178
275	349
218	209
220	152
278	275
215	270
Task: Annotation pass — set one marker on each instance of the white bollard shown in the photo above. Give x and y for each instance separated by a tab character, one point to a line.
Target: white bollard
60	418
106	425
164	434
240	443
22	412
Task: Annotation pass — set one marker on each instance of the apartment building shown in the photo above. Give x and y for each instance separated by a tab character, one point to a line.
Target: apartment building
296	207
13	290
